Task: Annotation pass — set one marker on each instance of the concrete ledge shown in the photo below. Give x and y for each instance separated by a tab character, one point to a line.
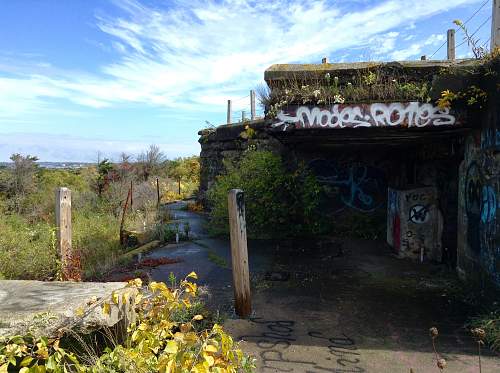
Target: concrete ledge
50	308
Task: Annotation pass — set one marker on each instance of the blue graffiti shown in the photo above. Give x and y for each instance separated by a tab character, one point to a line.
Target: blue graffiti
490	138
488	204
360	187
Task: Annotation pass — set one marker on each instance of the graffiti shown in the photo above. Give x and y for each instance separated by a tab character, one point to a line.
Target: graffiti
414	223
473	191
488	204
490	138
359	187
275	342
412	114
340	347
419	214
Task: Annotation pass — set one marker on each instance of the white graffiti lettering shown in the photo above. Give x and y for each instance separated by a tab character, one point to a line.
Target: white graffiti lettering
413	114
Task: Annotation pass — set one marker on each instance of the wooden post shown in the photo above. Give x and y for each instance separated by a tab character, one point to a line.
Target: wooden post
239	253
63	225
158	200
451	44
252	104
131	194
495	25
228	111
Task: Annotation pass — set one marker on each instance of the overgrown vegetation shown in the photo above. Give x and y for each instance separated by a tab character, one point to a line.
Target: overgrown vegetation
27	200
278	202
372	84
172	333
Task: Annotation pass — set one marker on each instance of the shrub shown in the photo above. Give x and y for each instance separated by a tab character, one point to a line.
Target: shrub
96	239
490	323
173	333
27	251
278	202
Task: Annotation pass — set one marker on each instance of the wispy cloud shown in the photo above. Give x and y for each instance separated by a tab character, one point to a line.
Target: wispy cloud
193	56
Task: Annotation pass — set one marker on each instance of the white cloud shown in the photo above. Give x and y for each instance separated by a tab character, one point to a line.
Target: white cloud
194	56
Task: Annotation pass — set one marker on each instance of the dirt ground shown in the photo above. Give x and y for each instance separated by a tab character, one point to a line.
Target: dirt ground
347	306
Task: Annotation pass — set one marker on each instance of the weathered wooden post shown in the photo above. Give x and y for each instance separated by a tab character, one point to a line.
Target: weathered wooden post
158	199
239	253
229	111
131	194
63	224
252	104
495	25
451	44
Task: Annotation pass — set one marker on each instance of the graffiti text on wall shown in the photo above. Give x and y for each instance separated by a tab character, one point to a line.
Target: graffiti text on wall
413	114
358	186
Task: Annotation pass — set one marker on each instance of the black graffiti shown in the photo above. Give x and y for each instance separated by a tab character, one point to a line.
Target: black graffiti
339	347
419	214
278	337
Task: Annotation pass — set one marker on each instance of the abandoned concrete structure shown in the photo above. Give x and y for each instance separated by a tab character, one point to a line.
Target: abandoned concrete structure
376	138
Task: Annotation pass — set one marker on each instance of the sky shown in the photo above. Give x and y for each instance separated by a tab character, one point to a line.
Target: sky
80	77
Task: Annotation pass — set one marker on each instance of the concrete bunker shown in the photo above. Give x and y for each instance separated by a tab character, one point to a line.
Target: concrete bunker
384	149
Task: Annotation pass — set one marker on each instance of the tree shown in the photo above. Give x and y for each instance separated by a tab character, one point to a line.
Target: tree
184	169
23	173
149	162
103	169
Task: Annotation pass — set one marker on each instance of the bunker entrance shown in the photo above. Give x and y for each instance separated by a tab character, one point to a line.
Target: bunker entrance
382	184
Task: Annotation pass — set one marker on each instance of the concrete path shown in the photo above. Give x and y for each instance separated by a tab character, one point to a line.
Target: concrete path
319	309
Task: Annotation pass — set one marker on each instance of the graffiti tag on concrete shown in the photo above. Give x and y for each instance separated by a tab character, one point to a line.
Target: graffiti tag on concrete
275	340
412	114
419	214
359	187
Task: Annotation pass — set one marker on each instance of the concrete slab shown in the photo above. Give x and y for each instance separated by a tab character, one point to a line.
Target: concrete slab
46	308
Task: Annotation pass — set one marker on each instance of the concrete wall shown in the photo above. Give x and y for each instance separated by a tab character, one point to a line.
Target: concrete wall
479	216
355	177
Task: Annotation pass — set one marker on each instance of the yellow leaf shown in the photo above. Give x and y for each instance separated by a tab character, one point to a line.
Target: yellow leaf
198	317
3	368
171	348
79	312
209	359
24	370
106	308
193	275
115	298
26	361
138	299
210	348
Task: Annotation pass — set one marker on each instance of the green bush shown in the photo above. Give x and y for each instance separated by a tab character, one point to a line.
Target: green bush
278	202
96	237
27	251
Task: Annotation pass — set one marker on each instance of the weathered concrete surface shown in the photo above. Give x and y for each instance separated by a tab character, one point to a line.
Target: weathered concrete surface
46	308
311	72
373	309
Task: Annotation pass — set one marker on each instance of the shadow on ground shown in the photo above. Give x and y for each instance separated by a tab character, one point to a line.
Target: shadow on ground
349	306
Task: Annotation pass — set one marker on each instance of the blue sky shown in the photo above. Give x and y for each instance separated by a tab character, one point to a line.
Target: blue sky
82	76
